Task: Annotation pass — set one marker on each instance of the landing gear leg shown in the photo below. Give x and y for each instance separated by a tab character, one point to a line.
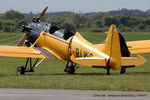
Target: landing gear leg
22	69
108	68
70	68
108	71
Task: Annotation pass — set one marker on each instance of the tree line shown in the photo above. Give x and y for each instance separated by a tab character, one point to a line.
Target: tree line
12	21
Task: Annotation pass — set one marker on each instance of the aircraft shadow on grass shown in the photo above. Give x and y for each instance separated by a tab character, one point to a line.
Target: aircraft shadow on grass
87	74
76	74
138	73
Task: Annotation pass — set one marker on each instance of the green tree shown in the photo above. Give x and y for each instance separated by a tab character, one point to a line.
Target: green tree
97	16
66	25
20	23
11	14
1	26
110	20
6	28
98	23
9	22
124	20
141	26
78	20
88	25
147	21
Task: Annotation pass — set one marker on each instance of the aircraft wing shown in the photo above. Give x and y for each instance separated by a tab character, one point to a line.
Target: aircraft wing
27	52
139	46
135	47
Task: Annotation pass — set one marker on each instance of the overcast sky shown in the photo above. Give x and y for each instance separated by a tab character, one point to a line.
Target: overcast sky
36	6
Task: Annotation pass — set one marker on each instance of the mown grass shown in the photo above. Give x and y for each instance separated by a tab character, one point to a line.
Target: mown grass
50	74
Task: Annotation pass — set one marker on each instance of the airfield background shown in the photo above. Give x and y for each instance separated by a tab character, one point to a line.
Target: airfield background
126	20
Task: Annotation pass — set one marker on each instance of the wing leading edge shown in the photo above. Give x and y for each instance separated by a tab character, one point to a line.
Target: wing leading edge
17	51
135	47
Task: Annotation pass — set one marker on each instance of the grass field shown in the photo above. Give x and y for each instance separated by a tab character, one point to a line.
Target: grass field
50	74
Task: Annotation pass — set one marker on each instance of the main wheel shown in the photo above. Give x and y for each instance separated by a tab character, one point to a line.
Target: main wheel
70	69
20	70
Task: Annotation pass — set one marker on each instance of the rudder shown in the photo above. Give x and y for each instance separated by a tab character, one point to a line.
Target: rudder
112	48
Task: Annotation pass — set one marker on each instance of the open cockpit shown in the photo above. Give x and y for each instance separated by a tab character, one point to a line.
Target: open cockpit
61	33
33	31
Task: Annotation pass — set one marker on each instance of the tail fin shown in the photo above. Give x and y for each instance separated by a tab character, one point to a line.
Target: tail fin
112	48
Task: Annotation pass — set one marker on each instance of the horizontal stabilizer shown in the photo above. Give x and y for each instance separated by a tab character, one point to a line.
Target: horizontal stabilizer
127	61
89	61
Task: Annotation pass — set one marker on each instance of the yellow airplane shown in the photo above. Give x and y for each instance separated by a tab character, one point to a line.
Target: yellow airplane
45	40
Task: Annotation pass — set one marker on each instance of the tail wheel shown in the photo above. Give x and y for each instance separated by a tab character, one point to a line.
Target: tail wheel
20	70
123	70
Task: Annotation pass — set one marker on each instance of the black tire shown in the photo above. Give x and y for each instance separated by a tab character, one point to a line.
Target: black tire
70	70
20	70
123	70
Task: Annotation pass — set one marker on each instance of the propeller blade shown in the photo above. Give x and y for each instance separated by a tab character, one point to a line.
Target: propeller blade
20	43
42	14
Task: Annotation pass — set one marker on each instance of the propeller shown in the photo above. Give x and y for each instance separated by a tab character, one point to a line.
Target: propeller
42	14
21	42
35	19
